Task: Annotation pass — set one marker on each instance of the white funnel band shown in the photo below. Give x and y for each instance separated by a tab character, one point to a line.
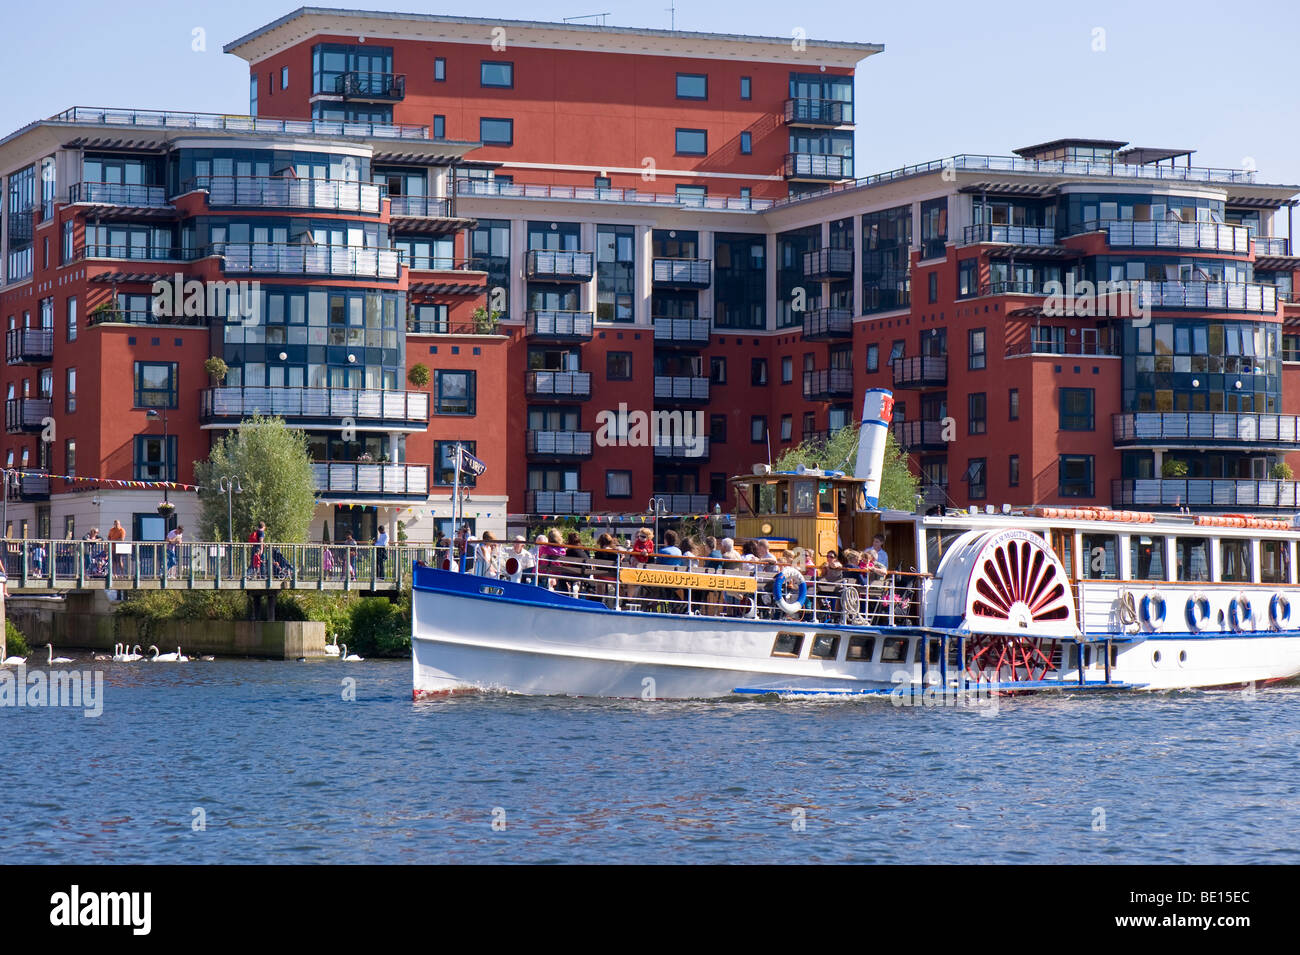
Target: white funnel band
877	413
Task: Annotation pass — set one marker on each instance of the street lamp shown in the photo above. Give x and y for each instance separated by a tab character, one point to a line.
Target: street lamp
230	486
166	456
659	508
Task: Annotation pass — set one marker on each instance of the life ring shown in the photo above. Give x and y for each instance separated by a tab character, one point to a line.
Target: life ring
1198	612
792	608
1152	610
446	563
850	603
1239	613
1279	612
1127	608
512	568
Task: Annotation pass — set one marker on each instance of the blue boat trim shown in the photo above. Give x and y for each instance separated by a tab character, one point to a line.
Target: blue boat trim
911	689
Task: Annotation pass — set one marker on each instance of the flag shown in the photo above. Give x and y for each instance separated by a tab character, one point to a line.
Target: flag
470	463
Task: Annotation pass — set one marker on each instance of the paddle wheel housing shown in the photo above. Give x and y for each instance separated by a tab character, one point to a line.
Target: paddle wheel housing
1009	591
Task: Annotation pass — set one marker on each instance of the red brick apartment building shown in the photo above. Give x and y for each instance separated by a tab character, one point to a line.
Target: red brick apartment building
668	223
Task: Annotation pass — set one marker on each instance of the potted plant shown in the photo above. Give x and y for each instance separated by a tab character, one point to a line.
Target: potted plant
216	369
166	508
1173	468
103	312
485	322
418	375
1282	471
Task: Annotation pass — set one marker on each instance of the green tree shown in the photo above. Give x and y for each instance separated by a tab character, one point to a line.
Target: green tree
270	461
898	485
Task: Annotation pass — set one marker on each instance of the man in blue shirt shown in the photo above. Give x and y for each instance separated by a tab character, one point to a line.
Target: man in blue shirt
672	554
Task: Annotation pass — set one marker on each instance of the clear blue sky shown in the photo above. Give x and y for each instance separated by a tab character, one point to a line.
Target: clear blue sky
956	76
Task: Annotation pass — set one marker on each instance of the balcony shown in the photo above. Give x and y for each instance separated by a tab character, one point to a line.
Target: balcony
565	385
1009	234
559	444
26	415
129	195
34	485
1207	236
920	372
828	324
495	188
676	448
681	388
828	264
818	167
1012	288
382	87
1087	349
684	503
683	273
558	326
919	435
107	315
29	346
152	119
318	407
1199	429
136	253
681	332
825	384
558	502
338	478
818	113
419	207
1271	246
1206	493
334	261
285	192
1208	296
560	266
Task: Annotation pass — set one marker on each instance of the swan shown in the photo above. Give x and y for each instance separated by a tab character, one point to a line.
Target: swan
134	656
12	661
167	657
53	659
121	653
332	649
349	657
207	659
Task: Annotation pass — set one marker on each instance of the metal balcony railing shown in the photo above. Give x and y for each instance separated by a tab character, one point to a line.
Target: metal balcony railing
1009	234
166	119
681	331
135	253
1228	493
559	444
808	111
511	190
352	477
1201	428
371	86
919	435
344	261
230	404
558	502
562	266
419	207
681	388
818	166
560	325
828	264
683	503
1207	236
1272	245
287	192
29	345
558	384
1207	296
824	384
683	273
920	371
694	449
118	194
828	324
26	415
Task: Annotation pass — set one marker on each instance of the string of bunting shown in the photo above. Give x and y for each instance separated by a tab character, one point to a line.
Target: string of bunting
110	482
632	518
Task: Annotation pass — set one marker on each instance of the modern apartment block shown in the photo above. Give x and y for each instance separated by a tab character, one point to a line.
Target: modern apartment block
669	229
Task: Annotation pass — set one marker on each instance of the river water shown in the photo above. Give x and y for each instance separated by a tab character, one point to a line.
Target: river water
247	761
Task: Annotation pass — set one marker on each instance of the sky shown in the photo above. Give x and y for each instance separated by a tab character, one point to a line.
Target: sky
955	77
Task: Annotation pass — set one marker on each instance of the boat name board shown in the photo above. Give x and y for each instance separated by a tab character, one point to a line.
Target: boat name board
642	577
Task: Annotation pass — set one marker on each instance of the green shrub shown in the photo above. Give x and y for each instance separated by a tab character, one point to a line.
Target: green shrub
1282	472
15	642
332	609
380	628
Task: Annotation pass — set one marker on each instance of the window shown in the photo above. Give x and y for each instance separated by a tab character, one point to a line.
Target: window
155	384
718	429
72	319
1275	562
692	142
1013	404
440	127
70	457
977	479
978	357
746	143
1076	475
618	483
692	194
67	247
718	369
454	392
284	77
787	370
70	390
618	366
746	192
155	459
1193	557
602	182
69	527
439	69
1013	470
896	351
873	358
496	74
1235	555
758	429
1076	409
977	409
496	132
934	287
1146	557
966	276
746	88
252	95
692	86
444	463
758	371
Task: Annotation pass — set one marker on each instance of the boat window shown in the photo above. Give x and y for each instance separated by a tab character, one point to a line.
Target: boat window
1147	557
782	505
1193	555
861	648
765	498
1100	551
937	543
825	646
894	650
826	497
803	497
1235	557
1274	562
787	644
921	644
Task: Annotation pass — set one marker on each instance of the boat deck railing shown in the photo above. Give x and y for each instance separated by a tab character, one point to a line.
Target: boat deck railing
693	585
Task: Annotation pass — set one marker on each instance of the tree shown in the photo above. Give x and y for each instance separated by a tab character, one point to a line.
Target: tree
898	485
270	461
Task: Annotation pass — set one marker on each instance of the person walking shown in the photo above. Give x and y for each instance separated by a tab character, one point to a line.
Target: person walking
174	540
116	534
381	550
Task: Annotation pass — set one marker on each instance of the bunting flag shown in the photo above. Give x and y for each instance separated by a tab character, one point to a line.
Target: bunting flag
631	518
109	482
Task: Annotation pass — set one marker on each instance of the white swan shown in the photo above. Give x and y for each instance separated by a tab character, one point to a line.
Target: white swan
349	657
121	653
332	649
53	659
167	657
134	656
12	661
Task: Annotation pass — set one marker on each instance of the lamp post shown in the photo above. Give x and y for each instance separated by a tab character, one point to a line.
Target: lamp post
659	508
166	455
230	486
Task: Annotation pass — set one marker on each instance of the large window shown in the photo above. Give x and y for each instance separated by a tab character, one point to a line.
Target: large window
934	227
155	458
70	390
615	273
444	456
886	244
454	392
497	74
496	132
1076	409
155	384
1076	475
618	483
758	429
692	86
618	366
72	318
692	142
1235	557
1101	556
977	478
1197	365
1193	556
739	280
1275	562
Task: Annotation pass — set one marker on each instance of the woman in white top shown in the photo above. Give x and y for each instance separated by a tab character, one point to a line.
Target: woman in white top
487	560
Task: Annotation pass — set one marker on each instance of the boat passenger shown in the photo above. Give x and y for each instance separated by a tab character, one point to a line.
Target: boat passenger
644	545
487	558
670	553
576	556
546	554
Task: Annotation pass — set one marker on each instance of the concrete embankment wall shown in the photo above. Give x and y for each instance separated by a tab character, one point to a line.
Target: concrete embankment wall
86	622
